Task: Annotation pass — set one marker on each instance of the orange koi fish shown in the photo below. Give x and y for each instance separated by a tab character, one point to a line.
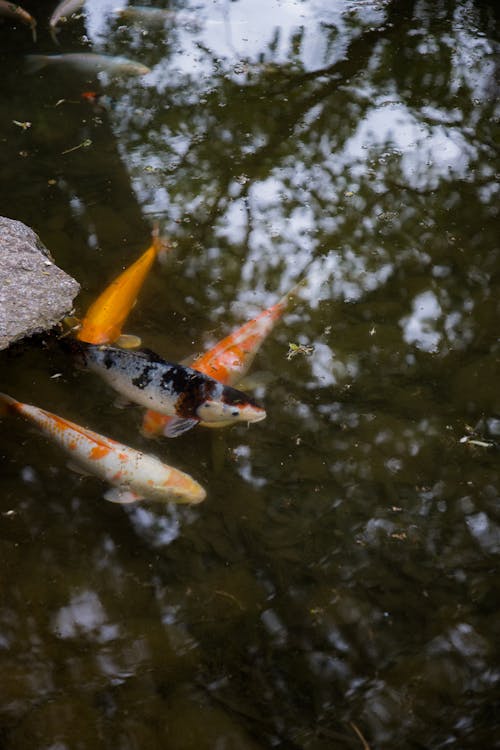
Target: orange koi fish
135	475
105	317
229	360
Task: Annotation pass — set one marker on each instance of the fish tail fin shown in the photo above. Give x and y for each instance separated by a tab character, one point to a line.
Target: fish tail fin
34	63
291	295
155	232
54	31
7	404
162	246
293	292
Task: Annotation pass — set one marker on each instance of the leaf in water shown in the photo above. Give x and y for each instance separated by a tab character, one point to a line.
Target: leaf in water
294	349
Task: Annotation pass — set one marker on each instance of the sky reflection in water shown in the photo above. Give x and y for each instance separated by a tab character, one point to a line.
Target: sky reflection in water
339	576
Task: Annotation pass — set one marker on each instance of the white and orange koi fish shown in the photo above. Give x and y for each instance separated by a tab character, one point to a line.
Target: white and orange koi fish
135	475
229	360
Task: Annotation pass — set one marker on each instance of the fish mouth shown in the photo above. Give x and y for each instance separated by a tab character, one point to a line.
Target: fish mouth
191	497
259	417
253	415
186	491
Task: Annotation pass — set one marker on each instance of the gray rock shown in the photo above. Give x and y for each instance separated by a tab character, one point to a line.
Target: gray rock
34	293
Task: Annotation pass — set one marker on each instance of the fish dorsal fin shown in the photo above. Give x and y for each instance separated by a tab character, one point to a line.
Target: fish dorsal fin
150	355
178	425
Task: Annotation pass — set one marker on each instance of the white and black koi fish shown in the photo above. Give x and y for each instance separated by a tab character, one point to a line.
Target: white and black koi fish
176	390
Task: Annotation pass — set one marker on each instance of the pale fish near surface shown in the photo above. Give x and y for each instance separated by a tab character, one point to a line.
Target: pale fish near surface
88	62
15	12
170	388
62	13
146	16
133	474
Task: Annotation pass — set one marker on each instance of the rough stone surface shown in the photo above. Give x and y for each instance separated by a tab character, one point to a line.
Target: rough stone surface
34	293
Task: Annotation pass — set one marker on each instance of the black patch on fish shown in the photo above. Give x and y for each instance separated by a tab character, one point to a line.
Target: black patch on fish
191	386
232	396
189	400
144	379
108	360
179	378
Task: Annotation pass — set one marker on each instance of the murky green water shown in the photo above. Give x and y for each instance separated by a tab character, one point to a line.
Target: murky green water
339	586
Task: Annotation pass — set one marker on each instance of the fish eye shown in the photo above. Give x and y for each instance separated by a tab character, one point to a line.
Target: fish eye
234	413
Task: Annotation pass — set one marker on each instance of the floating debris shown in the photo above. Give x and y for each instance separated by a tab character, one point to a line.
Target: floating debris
22	125
84	144
294	349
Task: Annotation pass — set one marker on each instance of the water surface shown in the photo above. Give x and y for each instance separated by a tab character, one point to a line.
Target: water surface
339	586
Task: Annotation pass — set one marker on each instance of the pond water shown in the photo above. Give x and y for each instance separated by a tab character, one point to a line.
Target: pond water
339	586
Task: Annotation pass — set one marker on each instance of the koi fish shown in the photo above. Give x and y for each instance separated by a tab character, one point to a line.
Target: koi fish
15	13
88	62
105	317
135	475
62	13
141	15
176	390
230	359
146	16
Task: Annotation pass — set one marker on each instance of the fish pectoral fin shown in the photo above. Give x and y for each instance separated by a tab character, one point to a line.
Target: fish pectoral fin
150	355
120	402
123	495
128	341
177	425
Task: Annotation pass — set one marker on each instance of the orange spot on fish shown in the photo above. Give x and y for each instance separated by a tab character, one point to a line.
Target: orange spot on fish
59	423
72	446
99	451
